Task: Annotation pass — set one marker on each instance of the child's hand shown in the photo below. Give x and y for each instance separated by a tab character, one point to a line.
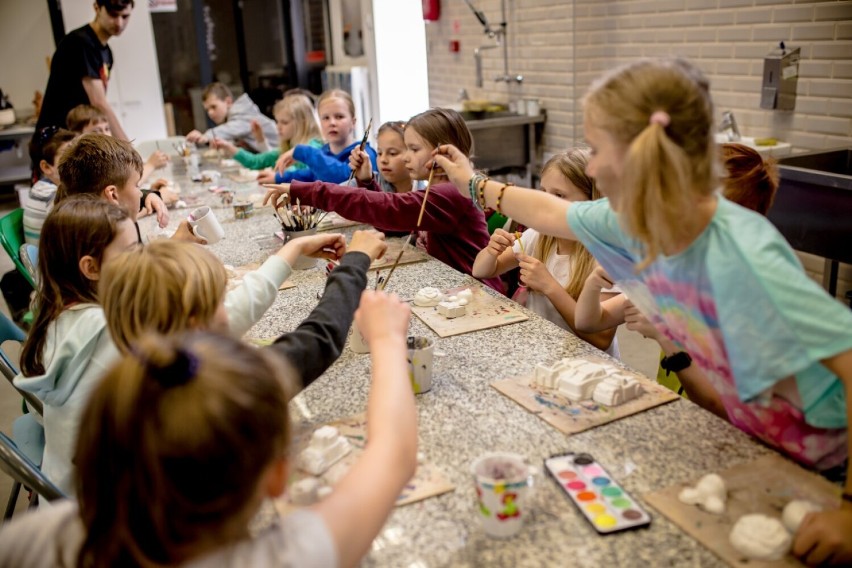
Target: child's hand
266	176
184	233
323	245
153	204
226	147
535	276
599	278
500	241
157	160
456	165
257	133
284	161
196	137
360	163
370	242
382	316
824	538
275	195
637	322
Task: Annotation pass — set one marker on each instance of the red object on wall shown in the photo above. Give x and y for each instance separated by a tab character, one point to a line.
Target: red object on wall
455	47
431	10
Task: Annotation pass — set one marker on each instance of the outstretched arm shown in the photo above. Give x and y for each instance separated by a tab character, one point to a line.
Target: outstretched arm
546	213
97	98
369	491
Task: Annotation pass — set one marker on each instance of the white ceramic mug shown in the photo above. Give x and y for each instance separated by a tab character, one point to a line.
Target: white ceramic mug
533	107
503	483
205	225
357	343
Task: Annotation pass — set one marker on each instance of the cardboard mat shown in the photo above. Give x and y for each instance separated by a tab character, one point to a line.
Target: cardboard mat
483	312
763	486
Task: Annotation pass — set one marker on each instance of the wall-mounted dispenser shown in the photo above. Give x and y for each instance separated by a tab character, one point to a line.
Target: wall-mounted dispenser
780	78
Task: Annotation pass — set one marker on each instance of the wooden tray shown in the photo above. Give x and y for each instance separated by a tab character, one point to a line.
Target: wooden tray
236	274
483	312
412	254
570	417
764	486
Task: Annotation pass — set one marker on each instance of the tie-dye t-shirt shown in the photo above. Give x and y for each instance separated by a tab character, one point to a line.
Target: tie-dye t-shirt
739	302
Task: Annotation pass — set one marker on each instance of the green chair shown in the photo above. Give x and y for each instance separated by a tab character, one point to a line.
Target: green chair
12	237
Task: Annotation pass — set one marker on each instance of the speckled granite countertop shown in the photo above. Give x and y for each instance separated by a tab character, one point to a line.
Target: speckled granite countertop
462	417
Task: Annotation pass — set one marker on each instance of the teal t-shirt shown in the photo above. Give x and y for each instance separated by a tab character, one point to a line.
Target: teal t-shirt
739	302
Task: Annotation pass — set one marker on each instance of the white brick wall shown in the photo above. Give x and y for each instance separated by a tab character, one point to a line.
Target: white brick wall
560	46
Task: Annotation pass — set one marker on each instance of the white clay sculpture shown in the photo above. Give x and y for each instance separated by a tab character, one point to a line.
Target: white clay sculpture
304	491
617	389
428	297
760	537
326	448
451	310
710	493
795	511
466	294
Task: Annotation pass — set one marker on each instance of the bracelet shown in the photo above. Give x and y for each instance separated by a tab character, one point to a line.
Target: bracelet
472	183
846	496
500	197
481	192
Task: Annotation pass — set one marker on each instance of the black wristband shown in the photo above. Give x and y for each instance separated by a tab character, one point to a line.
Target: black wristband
676	362
846	496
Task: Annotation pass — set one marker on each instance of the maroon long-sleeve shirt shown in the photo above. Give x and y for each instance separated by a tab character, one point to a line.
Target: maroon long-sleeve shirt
456	229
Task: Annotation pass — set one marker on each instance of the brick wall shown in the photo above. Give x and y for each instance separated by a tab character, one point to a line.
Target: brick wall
561	46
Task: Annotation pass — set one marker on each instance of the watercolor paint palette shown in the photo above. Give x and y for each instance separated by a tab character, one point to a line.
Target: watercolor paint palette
605	504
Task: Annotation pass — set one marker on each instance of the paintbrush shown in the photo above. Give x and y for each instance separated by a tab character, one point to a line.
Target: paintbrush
218	149
361	147
520	242
419	218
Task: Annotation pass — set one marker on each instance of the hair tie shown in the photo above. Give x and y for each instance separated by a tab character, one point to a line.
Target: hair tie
182	369
660	117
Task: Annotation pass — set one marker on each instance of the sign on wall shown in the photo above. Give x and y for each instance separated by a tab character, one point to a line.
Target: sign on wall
162	6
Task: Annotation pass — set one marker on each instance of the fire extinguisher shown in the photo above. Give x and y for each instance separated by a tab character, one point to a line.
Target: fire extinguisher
431	10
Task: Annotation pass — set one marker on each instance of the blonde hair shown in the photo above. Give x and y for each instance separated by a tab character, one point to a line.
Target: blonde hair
667	166
82	116
166	287
218	90
173	444
443	126
337	94
301	110
572	166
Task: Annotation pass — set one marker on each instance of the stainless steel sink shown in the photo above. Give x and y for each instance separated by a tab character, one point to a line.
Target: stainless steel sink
484	114
505	141
813	207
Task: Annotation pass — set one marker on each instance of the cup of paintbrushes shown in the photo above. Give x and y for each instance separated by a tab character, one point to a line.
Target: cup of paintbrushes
302	262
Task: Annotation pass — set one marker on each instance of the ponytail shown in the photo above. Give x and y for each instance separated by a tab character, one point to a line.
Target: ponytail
172	447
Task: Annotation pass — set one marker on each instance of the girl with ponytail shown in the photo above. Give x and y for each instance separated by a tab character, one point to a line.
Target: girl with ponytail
714	278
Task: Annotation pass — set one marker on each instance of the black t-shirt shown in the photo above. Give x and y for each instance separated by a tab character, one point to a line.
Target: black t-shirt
80	54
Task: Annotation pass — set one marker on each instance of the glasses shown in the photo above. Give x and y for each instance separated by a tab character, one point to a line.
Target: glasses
46	133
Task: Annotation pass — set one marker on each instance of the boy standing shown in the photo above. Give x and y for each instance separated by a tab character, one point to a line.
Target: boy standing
234	119
79	70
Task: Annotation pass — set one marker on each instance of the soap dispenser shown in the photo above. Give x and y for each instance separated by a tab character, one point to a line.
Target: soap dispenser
780	78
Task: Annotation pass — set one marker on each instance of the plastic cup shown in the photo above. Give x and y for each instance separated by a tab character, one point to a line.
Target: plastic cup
503	483
421	355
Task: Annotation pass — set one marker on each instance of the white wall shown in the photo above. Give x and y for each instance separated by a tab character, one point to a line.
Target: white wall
134	89
26	42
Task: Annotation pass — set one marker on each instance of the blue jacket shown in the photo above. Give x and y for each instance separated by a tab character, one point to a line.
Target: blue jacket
323	165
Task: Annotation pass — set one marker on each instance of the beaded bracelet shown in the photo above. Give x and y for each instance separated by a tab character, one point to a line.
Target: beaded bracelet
480	192
500	197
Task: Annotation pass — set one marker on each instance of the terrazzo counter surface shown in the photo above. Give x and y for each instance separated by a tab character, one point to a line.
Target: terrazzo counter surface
463	416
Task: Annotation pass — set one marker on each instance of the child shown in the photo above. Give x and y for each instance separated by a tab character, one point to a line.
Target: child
169	287
111	168
185	437
296	123
68	348
331	162
455	229
552	269
750	181
392	175
45	151
233	119
86	118
717	279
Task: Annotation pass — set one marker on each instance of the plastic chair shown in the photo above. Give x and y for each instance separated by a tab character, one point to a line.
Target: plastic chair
26	473
12	237
29	258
